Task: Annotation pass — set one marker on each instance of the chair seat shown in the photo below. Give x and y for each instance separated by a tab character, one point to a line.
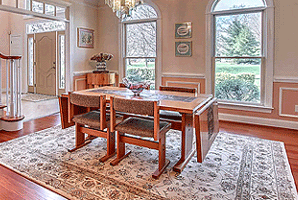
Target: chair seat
139	127
92	119
170	115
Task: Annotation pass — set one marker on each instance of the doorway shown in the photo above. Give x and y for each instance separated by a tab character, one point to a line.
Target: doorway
46	63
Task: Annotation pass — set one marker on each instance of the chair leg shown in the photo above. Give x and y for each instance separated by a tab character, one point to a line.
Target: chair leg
120	150
80	139
110	146
162	162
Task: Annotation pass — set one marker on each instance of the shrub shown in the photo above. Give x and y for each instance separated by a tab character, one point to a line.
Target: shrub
141	74
239	87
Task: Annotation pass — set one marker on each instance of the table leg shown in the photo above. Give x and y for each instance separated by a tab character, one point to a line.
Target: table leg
187	145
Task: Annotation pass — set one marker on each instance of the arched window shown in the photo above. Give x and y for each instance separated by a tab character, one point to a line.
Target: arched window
240	58
140	44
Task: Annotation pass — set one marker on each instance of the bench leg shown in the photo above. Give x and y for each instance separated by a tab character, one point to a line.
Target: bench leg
110	146
162	162
80	139
120	150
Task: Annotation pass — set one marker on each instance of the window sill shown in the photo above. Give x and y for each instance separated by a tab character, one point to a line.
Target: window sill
245	107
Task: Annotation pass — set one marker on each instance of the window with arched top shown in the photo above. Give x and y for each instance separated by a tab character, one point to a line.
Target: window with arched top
139	33
239	57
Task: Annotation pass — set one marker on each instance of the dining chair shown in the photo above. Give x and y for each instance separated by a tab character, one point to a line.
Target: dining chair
178	89
175	117
94	123
138	131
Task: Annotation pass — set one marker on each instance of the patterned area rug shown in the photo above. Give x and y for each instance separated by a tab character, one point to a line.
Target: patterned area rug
237	167
37	97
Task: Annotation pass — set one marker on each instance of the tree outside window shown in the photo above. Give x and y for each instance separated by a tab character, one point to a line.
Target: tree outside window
140	44
238	55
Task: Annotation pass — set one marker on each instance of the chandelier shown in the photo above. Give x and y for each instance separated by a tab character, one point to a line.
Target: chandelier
123	7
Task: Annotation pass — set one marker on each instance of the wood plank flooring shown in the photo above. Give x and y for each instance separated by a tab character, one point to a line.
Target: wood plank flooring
16	187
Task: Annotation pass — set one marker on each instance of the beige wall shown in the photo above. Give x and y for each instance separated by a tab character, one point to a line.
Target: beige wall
83	16
176	11
109	35
286	42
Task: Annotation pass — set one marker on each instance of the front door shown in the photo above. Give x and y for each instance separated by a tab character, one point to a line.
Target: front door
46	63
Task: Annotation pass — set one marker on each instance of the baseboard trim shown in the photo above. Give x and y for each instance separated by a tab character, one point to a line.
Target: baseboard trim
259	121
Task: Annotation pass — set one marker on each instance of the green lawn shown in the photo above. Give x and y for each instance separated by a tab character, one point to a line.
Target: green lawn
141	65
237	69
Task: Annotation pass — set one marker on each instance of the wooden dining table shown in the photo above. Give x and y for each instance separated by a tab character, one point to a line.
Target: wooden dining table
185	103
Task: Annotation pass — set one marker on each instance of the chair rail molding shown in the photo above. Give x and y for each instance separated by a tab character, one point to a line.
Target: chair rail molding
286	79
259	121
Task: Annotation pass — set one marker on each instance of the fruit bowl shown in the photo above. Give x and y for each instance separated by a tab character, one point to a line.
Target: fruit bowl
136	88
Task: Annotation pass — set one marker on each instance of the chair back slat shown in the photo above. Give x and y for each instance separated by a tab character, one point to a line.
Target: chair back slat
178	89
139	107
85	100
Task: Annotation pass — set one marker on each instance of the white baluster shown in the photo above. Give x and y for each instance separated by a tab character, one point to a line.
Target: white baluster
12	89
20	90
7	89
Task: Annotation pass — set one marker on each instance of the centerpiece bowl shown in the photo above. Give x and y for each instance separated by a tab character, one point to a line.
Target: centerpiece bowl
136	88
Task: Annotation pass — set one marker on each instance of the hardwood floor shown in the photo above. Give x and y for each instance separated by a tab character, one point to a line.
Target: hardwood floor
14	186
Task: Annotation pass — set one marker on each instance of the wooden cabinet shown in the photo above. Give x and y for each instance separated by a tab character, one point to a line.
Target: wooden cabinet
100	79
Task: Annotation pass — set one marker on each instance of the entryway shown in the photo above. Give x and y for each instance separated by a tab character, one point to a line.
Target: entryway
46	63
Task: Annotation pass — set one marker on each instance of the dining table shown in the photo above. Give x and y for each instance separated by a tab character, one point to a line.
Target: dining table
187	104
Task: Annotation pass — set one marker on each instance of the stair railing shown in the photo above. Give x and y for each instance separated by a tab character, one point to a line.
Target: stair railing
13	87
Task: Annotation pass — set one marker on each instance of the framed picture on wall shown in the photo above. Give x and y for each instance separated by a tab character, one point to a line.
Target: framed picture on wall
183	48
183	30
85	38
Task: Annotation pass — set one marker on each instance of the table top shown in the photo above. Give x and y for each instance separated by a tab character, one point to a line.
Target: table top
174	101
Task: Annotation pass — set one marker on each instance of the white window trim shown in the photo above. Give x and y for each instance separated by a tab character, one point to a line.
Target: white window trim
268	48
29	13
158	44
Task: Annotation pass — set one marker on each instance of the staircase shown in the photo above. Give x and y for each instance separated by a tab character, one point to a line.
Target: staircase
11	119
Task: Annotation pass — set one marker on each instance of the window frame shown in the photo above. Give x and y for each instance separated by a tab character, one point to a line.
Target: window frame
122	32
266	94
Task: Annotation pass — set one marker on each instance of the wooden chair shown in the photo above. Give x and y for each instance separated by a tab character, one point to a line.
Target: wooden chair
93	123
178	89
134	130
176	117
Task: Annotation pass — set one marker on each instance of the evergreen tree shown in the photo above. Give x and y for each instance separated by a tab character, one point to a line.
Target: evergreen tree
239	40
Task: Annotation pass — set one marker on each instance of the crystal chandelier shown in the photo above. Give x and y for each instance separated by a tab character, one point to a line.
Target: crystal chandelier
123	7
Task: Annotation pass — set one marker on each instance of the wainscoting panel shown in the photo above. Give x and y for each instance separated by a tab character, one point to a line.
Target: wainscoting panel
80	82
288	99
189	82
